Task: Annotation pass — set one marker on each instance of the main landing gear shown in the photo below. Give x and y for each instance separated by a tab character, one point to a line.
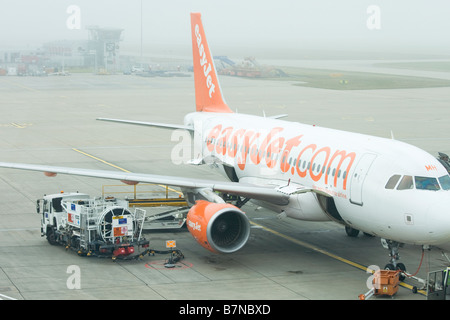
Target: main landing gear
351	232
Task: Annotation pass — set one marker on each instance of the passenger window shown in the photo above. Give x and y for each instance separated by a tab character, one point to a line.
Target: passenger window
425	183
445	182
392	182
406	183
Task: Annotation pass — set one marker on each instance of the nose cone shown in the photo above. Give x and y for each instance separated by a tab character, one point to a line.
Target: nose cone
439	220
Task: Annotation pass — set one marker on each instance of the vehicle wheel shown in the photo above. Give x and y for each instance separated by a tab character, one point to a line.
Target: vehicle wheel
51	236
351	232
75	242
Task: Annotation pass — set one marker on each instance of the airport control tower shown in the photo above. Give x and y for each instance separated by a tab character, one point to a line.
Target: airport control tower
104	48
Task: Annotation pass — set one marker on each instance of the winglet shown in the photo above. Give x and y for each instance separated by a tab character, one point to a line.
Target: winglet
208	95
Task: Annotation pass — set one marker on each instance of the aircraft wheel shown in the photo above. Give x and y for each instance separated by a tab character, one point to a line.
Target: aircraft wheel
351	232
389	266
402	268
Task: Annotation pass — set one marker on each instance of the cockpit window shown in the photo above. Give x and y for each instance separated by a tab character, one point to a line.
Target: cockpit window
445	182
426	183
392	181
406	183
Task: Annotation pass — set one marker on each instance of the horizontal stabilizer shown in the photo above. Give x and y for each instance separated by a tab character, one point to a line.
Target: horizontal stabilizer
149	124
278	116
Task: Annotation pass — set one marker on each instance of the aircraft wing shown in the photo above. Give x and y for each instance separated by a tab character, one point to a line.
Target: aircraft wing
252	191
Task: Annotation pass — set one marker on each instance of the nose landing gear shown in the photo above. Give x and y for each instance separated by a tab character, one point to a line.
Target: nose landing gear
393	247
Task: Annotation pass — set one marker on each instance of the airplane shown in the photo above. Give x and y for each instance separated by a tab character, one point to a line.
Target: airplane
382	187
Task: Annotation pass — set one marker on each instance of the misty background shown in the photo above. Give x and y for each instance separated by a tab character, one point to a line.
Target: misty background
265	29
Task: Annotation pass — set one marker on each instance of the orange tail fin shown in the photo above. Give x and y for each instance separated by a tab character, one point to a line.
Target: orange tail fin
208	96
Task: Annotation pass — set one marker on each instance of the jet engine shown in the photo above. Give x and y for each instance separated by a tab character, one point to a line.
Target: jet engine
218	227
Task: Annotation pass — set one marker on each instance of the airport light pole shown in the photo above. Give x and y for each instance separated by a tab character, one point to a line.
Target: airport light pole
142	63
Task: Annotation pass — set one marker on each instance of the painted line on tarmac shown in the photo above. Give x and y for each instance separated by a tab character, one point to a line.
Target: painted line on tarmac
17	125
14	83
6	297
329	254
101	160
312	247
117	167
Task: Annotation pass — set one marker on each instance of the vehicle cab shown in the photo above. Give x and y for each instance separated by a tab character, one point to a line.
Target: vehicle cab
53	214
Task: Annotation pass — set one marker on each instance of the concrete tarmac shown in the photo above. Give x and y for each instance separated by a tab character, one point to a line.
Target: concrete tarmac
49	120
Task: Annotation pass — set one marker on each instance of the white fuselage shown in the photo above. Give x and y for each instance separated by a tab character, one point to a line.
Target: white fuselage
351	169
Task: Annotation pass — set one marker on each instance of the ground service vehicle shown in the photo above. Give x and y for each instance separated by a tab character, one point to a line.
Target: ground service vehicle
92	225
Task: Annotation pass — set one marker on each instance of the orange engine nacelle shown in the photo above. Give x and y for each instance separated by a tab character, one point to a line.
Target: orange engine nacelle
218	227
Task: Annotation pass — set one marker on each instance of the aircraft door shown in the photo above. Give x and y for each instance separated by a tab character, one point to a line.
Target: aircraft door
359	175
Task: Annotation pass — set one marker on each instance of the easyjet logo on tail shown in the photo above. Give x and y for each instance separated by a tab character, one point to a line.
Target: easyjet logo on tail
208	96
204	61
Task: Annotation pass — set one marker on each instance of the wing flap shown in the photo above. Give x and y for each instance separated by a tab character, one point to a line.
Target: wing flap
291	190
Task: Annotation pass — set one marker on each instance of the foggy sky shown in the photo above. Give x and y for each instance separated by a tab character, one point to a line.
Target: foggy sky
276	26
